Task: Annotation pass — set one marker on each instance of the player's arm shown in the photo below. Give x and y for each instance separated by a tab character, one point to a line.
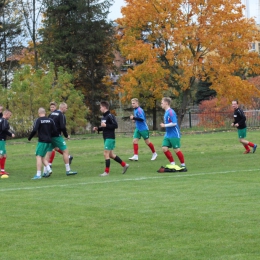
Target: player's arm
63	125
111	122
35	128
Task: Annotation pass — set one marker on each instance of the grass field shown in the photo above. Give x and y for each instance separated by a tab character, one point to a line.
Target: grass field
210	212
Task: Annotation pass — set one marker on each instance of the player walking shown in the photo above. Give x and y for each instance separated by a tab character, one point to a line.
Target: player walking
141	130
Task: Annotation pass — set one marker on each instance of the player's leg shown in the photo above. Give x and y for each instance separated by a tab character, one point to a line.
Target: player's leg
136	137
151	146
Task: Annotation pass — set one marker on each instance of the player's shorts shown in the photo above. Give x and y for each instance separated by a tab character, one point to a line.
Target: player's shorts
174	143
59	142
138	134
43	148
2	148
109	144
241	133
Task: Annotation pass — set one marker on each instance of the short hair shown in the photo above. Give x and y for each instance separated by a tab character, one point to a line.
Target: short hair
63	104
135	100
104	104
168	100
41	110
53	103
7	111
235	101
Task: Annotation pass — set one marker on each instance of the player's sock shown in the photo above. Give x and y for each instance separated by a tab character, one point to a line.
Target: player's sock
168	154
3	163
52	156
59	151
180	156
117	159
135	149
107	165
246	147
67	166
251	144
151	147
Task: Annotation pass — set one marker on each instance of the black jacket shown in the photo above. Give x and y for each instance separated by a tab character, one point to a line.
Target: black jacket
111	125
240	118
4	129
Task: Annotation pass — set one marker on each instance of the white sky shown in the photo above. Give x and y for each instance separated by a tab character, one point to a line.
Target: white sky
116	13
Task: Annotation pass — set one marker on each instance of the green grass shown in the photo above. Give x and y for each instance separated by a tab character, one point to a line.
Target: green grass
210	212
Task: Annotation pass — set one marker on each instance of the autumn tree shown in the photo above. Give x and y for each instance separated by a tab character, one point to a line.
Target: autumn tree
33	89
184	41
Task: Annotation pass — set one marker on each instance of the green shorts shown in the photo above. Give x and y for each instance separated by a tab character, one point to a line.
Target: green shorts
109	144
2	148
138	134
43	148
241	133
58	142
174	143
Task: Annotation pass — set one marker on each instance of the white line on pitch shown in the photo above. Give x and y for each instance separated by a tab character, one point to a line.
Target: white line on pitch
123	180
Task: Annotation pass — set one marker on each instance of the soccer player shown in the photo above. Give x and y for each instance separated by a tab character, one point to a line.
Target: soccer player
240	124
141	130
4	132
172	136
44	126
59	118
108	126
53	107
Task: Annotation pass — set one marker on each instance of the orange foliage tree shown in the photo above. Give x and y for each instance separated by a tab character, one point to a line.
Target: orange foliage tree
174	43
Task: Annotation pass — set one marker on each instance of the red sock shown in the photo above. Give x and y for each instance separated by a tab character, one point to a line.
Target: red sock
2	163
151	147
107	169
180	156
251	144
169	156
135	149
246	147
123	164
52	156
60	151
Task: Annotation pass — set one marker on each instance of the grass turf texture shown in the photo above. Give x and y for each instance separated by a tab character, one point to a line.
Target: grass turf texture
210	212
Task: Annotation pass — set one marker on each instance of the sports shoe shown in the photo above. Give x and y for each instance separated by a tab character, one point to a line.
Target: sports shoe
70	159
254	148
47	174
183	169
125	168
4	173
247	151
36	177
70	173
154	156
104	174
134	158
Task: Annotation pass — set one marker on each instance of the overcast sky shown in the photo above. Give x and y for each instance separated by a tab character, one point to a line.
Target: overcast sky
115	9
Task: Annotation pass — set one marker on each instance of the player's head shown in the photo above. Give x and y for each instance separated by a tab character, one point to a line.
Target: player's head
104	106
235	104
41	112
135	102
53	106
63	107
166	102
7	114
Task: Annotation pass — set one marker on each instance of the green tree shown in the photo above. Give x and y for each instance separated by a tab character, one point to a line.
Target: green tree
77	36
31	90
204	91
10	44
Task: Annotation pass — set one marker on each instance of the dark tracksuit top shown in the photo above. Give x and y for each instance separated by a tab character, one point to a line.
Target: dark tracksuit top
111	125
45	127
4	129
239	118
60	122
